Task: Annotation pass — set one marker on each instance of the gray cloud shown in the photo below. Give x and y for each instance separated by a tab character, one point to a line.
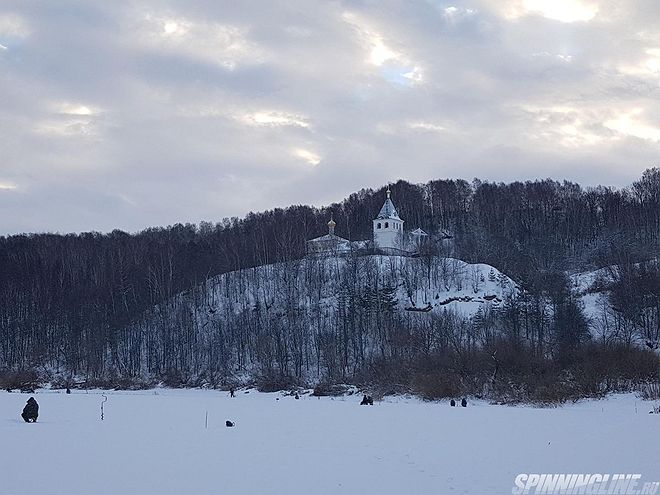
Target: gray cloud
134	113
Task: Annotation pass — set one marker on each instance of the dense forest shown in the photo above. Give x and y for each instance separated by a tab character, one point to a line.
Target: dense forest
70	305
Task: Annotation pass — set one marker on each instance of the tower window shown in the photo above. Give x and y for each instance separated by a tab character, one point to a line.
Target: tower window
387	224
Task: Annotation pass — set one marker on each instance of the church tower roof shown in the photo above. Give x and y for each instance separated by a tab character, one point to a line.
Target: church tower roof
388	210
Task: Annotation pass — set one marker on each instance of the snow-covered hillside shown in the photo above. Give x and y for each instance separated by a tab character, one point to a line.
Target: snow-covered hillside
313	317
635	318
172	442
592	287
418	284
330	318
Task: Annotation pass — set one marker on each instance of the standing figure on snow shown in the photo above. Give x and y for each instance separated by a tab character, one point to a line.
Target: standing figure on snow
452	403
231	392
30	411
464	402
367	400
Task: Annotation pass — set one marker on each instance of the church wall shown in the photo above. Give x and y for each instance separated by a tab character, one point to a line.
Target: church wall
390	237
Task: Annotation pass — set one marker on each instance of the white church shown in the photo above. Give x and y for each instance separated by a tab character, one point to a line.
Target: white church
389	236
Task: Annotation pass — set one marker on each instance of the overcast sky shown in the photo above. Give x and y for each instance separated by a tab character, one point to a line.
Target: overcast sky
134	113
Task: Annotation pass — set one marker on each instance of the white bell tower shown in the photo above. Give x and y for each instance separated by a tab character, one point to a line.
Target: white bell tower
388	227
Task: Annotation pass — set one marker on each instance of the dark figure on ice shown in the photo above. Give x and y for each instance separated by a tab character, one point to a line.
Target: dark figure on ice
68	390
367	400
452	403
297	396
30	411
229	424
464	402
231	392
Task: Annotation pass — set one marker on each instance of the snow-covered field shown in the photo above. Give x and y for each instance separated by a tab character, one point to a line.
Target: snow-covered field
156	442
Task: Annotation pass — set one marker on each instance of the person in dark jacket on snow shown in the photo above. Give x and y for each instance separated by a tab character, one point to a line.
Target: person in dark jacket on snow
30	411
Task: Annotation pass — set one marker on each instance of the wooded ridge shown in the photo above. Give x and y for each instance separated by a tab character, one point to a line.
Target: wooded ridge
110	307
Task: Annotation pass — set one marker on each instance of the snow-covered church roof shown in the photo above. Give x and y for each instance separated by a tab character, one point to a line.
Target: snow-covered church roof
329	242
329	237
388	210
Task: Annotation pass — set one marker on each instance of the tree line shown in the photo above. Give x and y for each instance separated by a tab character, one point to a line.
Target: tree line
72	303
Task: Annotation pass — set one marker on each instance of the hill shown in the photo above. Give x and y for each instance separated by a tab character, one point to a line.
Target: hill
236	300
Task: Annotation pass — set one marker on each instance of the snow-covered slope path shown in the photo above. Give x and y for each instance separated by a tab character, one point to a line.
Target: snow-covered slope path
156	442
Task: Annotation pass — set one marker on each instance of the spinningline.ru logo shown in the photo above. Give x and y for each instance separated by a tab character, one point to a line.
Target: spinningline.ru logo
589	484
